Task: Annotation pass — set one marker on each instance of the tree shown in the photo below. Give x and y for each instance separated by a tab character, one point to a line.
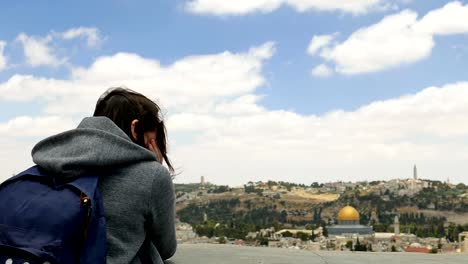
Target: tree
315	185
349	245
222	240
262	241
284	216
325	231
359	246
221	189
302	236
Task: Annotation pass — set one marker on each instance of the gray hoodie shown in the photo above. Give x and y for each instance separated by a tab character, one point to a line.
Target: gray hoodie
137	191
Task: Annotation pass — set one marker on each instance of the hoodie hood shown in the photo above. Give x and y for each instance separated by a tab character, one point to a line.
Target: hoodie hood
97	144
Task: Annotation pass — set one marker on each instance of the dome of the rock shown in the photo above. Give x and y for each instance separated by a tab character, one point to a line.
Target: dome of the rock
348	213
348	224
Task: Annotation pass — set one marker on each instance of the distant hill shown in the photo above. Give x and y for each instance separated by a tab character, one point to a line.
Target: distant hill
428	207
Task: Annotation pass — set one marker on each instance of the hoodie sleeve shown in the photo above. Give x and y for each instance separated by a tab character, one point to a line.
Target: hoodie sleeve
162	214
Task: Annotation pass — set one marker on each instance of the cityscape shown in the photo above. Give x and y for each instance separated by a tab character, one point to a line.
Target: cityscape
394	216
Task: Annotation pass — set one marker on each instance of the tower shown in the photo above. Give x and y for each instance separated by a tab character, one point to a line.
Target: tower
202	183
396	225
415	172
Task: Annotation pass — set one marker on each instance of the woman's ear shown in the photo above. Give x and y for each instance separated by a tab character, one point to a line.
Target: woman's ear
133	129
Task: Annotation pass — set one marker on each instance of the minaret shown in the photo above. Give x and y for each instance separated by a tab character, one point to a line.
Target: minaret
202	182
415	172
396	226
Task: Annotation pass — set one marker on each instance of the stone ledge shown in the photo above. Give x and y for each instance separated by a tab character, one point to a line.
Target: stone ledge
231	254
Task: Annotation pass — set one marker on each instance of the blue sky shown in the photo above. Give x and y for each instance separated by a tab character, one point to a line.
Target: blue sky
163	30
399	66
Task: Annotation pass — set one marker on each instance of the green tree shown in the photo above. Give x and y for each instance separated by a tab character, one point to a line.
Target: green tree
222	240
262	241
349	244
303	236
359	246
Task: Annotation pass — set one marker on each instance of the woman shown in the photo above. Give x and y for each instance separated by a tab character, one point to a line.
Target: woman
125	141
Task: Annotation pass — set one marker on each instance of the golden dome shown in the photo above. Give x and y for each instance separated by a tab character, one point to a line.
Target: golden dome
348	213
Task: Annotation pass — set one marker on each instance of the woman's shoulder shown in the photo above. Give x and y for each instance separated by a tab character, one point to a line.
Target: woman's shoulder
155	175
163	181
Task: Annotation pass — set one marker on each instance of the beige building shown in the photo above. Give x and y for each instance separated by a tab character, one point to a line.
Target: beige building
463	240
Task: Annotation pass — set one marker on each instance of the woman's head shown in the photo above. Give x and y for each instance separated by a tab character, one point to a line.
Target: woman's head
137	116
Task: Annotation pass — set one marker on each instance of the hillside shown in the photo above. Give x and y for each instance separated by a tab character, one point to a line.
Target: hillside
424	207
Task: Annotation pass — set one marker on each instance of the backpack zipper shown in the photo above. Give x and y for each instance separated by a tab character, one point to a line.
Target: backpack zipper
86	202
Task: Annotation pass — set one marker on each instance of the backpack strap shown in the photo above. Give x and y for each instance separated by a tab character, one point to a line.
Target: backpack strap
33	171
86	183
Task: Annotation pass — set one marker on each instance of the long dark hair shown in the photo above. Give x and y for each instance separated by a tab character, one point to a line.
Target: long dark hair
123	105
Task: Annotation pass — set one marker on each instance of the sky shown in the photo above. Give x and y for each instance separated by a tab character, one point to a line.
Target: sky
286	90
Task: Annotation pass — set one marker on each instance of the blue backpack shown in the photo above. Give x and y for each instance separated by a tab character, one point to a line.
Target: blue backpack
44	220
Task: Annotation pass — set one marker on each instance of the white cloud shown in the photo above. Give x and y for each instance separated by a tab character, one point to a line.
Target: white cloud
38	52
450	19
3	59
243	7
15	156
388	43
243	105
350	6
322	70
20	134
377	141
91	34
26	126
397	39
41	51
319	42
218	128
191	82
